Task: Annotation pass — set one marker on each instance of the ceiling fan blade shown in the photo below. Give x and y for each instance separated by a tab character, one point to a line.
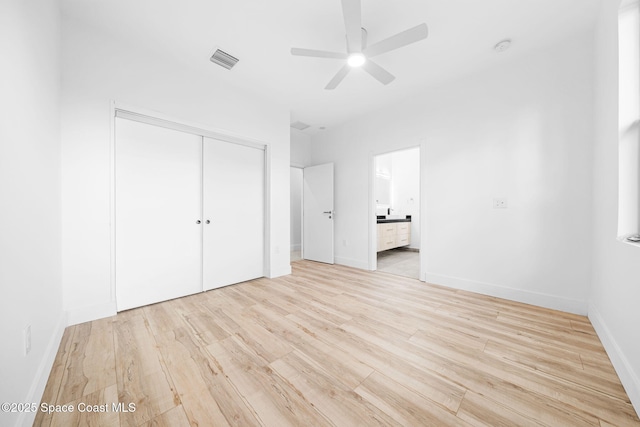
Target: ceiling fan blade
335	81
352	13
317	53
404	38
378	73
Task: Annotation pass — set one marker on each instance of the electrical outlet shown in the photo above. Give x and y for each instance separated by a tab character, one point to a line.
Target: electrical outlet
500	203
27	340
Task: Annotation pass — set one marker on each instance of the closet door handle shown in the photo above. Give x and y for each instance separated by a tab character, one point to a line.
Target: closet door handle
208	222
198	222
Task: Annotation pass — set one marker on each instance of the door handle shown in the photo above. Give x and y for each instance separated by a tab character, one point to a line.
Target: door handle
327	212
198	222
207	222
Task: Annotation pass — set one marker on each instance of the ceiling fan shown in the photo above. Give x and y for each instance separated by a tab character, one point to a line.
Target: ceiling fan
358	53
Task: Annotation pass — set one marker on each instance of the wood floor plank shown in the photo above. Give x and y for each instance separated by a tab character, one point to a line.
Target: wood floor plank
333	345
426	382
468	374
172	418
589	405
50	394
91	362
479	411
99	417
340	404
198	379
558	368
74	380
405	406
99	361
343	365
273	399
162	318
141	376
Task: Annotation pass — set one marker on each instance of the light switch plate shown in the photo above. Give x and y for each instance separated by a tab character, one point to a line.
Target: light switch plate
500	203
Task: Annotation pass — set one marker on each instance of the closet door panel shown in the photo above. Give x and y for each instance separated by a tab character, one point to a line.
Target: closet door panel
157	206
233	197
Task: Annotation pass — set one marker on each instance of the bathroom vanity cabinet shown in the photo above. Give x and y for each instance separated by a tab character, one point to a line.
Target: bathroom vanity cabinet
393	234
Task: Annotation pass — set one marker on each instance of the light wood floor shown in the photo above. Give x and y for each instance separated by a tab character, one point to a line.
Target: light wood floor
331	345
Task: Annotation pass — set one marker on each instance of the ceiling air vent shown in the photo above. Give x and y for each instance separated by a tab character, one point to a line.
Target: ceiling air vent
223	59
299	125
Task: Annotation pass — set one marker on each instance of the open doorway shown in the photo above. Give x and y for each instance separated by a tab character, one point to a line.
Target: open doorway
397	208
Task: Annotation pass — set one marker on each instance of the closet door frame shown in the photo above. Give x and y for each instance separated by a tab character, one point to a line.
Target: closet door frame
127	111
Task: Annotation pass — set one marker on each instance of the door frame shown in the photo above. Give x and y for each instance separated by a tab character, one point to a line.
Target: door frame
160	119
373	232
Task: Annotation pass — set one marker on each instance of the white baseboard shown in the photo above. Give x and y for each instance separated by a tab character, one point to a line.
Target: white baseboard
553	302
284	271
624	369
42	375
93	312
349	262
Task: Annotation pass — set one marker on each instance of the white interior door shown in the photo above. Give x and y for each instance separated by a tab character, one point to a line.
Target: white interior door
233	245
318	213
157	209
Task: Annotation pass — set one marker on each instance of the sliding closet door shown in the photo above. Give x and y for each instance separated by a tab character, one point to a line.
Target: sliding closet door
157	208
233	197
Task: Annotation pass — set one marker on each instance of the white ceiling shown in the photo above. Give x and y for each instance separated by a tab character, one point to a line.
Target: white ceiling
260	33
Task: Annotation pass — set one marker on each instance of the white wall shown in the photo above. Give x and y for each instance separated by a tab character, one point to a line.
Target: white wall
30	224
615	291
300	158
296	209
300	148
628	119
519	130
98	69
405	189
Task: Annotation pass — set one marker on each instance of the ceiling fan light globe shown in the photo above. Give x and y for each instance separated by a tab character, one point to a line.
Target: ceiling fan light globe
356	60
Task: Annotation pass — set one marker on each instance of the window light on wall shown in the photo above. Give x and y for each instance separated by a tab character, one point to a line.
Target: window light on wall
629	120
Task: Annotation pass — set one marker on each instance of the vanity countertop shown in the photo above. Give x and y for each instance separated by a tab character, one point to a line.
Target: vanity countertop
381	219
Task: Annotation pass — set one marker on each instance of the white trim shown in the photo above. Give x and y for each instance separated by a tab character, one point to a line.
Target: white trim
373	223
553	302
267	213
424	203
628	377
34	395
201	180
284	271
112	202
157	119
92	312
372	262
350	262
